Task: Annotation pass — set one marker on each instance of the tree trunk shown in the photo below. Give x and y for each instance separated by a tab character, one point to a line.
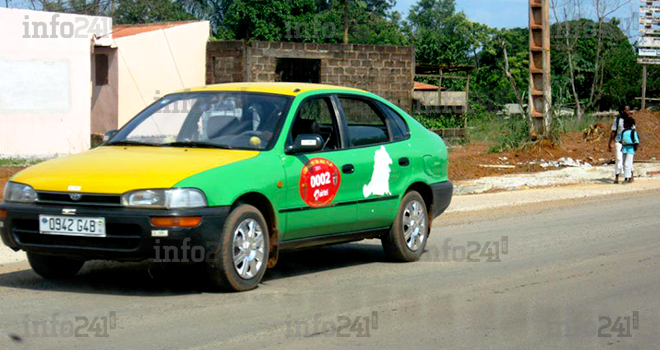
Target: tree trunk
571	69
597	64
512	81
569	53
346	21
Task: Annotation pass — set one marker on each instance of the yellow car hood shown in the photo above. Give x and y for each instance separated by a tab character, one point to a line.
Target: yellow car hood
119	169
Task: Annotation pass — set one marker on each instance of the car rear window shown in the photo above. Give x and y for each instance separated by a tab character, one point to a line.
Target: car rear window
366	126
398	126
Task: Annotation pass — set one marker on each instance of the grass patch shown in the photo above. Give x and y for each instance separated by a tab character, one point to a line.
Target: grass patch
513	133
20	162
503	133
564	124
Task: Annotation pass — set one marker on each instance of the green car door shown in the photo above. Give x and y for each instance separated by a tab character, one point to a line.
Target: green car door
321	187
378	141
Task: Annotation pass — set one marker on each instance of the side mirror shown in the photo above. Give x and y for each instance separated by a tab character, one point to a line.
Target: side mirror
108	135
306	143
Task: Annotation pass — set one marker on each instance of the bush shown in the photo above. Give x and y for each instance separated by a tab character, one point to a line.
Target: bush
513	133
441	121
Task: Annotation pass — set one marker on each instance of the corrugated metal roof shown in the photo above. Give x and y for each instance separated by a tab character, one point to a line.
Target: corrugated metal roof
123	30
425	87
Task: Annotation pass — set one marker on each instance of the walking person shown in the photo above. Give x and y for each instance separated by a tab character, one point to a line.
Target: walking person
629	143
617	129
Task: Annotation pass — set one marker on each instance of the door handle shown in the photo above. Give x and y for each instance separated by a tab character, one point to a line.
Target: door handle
404	161
348	169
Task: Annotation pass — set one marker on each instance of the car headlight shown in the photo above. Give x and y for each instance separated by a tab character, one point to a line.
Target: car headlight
165	199
15	192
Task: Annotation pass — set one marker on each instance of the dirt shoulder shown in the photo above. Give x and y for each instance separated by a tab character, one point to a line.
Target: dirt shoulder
466	162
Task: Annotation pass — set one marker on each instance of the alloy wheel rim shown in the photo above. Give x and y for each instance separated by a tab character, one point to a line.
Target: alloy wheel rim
414	225
248	249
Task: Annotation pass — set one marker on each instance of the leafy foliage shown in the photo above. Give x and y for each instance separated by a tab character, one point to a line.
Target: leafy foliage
149	11
621	72
441	36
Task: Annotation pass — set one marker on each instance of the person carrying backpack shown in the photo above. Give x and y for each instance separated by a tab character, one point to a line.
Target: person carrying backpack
630	143
617	129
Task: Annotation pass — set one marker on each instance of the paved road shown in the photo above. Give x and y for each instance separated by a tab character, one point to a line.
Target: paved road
566	265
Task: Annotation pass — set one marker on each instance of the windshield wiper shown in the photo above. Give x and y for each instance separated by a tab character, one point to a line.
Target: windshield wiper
130	143
196	144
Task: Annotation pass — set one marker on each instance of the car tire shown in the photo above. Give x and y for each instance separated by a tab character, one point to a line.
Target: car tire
54	267
407	238
239	240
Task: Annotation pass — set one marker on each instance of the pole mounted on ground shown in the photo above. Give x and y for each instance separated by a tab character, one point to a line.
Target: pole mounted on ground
540	88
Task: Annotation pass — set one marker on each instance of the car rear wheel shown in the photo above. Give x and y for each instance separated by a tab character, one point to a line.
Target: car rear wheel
54	267
407	238
242	256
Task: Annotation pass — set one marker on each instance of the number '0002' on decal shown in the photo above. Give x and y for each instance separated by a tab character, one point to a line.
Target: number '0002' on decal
319	182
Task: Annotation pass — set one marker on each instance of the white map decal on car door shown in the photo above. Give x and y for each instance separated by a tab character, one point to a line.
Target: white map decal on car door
380	178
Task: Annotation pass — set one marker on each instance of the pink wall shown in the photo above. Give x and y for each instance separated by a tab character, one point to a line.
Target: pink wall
45	82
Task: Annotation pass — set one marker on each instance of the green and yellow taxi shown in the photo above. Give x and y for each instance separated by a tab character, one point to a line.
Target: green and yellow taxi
229	176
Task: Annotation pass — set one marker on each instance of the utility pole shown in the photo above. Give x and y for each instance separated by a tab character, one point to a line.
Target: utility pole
644	86
540	88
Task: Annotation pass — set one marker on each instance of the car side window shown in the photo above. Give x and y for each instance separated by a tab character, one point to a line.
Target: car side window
365	124
317	116
398	126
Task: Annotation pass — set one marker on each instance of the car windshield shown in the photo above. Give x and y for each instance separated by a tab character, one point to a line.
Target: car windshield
232	120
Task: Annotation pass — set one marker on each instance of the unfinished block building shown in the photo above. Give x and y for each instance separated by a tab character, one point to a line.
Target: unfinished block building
385	70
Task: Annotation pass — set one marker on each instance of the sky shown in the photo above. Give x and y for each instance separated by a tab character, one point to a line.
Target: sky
509	13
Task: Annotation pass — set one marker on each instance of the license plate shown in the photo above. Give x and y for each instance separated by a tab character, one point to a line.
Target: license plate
72	226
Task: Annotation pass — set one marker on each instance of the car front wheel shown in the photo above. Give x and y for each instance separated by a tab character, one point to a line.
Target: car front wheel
407	238
54	267
242	256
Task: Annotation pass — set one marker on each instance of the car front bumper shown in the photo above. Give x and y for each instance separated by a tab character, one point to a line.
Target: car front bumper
128	233
442	194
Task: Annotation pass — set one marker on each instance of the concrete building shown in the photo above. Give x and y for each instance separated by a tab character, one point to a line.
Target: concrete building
64	77
146	62
45	81
386	70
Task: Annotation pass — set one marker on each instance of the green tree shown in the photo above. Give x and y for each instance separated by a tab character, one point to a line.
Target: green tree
442	36
210	10
149	11
617	78
265	19
369	22
491	86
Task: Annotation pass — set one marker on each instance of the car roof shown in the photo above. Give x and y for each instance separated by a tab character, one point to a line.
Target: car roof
289	89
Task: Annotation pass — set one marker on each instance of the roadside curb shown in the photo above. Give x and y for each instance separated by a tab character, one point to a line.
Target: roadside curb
566	176
508	199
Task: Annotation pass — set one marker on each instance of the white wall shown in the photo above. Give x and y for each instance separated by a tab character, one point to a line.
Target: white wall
45	82
164	60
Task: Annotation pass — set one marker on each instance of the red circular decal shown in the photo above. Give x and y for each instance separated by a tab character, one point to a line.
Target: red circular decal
319	182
